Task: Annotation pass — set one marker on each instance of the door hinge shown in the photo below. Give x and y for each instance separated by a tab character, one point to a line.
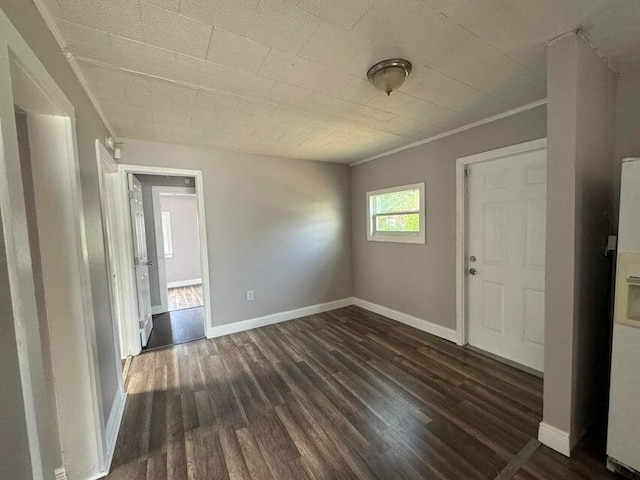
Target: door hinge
466	171
141	323
130	195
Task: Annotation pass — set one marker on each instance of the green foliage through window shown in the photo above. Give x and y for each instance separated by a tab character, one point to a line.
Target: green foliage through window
405	201
397	212
398	223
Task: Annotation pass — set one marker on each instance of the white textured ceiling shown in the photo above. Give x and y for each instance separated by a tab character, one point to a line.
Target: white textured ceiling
288	77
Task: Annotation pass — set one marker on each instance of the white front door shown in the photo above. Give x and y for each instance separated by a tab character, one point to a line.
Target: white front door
506	227
141	261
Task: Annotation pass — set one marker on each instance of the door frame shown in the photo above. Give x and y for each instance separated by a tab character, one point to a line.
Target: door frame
462	327
113	233
84	446
129	328
156	192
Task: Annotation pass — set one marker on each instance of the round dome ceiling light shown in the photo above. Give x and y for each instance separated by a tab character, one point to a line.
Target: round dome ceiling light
389	75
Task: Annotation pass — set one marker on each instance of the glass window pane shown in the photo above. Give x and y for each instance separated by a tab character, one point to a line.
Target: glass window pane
405	201
409	223
167	234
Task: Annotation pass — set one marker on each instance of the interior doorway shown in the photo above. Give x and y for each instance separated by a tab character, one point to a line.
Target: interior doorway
175	210
166	256
502	262
168	260
72	392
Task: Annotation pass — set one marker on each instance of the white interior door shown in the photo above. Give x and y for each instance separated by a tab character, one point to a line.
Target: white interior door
506	227
141	261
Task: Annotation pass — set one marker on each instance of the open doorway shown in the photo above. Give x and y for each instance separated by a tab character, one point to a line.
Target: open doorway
179	269
169	260
174	268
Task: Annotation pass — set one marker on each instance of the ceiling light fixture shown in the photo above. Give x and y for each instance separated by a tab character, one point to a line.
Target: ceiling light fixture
389	75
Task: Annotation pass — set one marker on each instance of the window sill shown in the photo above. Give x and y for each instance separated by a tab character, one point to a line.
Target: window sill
417	239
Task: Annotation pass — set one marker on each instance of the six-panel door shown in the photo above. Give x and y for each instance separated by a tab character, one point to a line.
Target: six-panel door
506	225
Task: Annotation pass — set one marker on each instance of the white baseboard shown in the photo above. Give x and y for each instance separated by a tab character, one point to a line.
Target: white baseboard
554	438
113	427
184	283
228	329
415	322
97	476
420	324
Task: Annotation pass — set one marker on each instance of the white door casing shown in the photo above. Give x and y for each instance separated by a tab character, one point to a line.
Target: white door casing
123	289
107	184
506	233
141	261
128	270
68	296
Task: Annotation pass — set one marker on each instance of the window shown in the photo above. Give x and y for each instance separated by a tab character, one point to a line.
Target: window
166	234
396	214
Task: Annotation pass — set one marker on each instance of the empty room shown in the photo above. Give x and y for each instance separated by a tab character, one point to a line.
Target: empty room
319	239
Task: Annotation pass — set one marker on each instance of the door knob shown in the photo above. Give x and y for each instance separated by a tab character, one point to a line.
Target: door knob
473	271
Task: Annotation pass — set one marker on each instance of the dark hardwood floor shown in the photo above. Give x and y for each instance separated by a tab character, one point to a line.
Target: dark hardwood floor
346	394
172	328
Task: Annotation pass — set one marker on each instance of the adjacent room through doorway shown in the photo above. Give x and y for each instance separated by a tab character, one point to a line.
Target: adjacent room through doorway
173	262
179	221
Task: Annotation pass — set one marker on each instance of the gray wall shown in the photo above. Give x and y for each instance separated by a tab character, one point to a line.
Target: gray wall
185	263
581	119
26	18
420	279
279	227
147	182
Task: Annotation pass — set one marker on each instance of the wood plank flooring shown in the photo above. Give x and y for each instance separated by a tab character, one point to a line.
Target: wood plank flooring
346	394
184	297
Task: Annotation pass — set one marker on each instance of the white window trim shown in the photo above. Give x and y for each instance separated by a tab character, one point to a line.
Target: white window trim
418	237
167	234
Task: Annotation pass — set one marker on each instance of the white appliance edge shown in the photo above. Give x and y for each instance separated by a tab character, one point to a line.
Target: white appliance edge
623	445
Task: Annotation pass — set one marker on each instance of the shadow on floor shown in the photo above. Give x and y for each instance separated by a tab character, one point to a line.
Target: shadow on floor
180	326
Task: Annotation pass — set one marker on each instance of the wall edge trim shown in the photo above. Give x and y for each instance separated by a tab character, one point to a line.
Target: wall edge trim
554	438
463	128
257	322
446	333
113	427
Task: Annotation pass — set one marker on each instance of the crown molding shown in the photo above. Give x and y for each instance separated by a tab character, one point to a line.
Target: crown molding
463	128
55	31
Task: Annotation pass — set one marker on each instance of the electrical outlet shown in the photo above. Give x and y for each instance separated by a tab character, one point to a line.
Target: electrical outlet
249	295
